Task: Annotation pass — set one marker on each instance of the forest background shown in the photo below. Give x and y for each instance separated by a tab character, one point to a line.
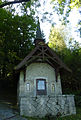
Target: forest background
17	33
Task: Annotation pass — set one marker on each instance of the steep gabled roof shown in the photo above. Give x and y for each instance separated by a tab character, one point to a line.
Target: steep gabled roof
42	53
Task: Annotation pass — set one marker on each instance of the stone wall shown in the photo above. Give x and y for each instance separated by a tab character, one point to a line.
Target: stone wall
41	106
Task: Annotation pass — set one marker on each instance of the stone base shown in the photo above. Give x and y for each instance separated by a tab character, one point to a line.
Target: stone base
41	106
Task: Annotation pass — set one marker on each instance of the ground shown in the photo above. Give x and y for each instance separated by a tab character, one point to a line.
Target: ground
7	112
8	107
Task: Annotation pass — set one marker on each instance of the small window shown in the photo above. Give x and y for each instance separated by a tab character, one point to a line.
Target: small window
27	86
41	86
53	87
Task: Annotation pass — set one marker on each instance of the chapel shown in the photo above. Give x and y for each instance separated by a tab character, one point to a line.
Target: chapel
39	87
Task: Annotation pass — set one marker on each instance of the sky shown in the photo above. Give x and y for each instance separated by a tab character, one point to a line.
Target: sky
52	17
74	17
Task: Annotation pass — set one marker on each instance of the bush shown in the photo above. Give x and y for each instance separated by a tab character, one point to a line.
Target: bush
78	101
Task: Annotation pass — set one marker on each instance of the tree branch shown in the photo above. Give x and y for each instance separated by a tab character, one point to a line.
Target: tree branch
12	2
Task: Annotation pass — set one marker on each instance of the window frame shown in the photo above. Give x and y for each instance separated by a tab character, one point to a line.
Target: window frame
27	86
41	92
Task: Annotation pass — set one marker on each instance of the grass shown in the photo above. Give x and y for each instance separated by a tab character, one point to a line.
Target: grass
72	117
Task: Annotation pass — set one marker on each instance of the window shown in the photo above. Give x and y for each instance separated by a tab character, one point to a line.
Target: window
41	86
53	87
28	87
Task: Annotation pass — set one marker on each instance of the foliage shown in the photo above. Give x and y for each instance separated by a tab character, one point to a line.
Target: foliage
70	4
64	7
5	3
16	35
0	2
56	38
80	26
71	56
78	100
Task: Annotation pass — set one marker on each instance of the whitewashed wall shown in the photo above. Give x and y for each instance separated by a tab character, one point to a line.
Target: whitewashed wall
35	71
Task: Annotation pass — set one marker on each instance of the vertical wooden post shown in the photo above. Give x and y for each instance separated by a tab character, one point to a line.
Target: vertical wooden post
56	73
24	74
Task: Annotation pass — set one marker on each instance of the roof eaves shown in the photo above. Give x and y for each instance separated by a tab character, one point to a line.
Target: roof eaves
23	62
59	60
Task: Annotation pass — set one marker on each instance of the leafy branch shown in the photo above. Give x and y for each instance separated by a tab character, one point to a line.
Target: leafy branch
12	2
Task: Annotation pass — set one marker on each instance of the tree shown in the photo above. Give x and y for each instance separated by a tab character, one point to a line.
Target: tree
2	4
16	40
70	55
57	38
80	27
72	82
64	7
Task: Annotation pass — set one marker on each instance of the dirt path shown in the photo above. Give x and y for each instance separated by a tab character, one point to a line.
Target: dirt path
8	113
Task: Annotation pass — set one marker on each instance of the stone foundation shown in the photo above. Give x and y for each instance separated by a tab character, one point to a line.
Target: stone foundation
43	105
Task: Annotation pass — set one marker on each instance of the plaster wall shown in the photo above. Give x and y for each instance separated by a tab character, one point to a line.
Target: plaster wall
36	71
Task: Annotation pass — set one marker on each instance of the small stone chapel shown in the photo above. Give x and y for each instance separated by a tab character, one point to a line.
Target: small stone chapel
39	87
